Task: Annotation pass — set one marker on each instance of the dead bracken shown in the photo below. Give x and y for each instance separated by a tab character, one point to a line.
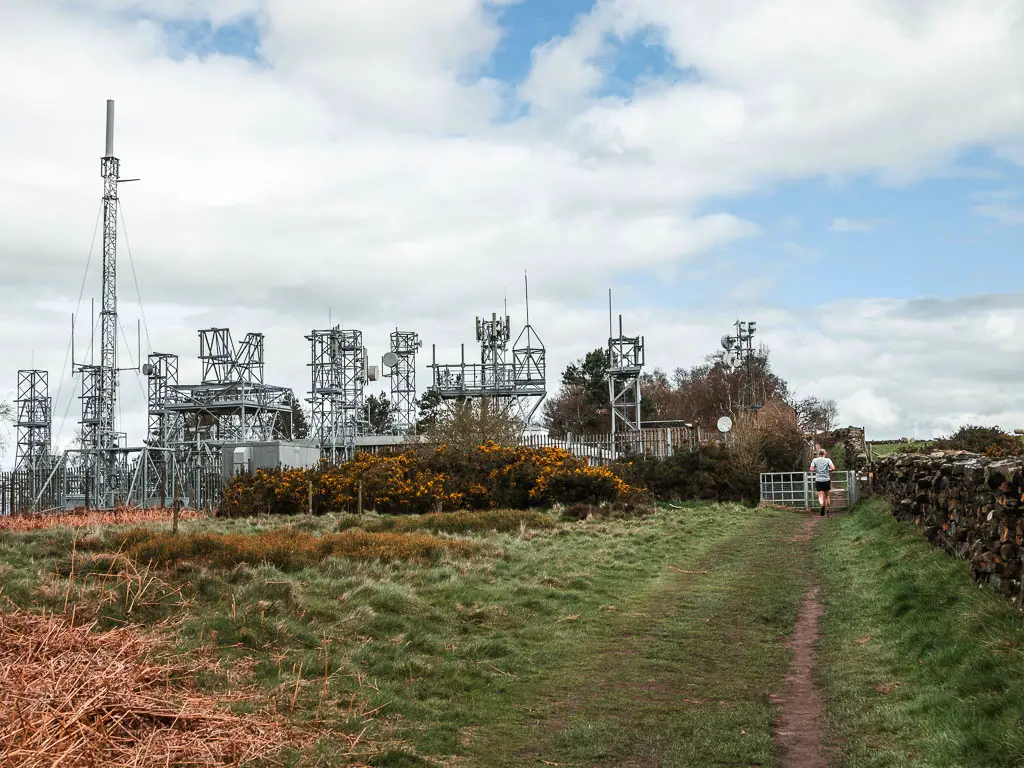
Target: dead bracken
76	697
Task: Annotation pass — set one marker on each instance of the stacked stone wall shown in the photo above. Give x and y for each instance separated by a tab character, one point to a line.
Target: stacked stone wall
971	506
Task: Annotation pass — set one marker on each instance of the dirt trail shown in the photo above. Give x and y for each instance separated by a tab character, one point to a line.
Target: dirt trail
799	729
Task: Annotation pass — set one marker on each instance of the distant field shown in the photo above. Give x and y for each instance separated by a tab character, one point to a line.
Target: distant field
884	449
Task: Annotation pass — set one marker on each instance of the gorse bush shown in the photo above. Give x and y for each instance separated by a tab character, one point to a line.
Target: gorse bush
990	441
487	477
287	549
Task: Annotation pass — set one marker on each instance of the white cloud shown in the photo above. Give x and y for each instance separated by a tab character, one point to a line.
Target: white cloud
358	166
855	225
1007	215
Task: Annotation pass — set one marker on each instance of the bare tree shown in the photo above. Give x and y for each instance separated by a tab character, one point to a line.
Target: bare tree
816	415
468	425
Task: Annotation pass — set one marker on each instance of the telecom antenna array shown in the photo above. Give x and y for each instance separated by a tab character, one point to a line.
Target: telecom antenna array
738	358
625	363
519	385
400	361
339	373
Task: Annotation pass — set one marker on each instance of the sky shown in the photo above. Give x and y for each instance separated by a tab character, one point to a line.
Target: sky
848	173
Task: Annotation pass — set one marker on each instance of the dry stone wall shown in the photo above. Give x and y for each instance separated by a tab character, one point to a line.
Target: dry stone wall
971	506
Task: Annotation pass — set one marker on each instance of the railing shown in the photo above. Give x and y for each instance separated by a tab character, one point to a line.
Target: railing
68	487
598	449
796	490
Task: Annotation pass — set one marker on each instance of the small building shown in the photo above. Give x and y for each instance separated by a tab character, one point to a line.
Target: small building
272	454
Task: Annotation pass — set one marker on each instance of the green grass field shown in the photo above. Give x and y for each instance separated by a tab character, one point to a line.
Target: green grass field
632	642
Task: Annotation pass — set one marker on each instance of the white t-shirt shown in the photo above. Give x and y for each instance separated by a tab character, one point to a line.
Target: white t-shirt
822	467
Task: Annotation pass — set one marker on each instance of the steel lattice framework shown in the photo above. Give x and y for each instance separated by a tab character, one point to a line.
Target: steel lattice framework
166	427
625	363
740	358
34	421
100	438
338	371
404	346
748	384
231	404
519	385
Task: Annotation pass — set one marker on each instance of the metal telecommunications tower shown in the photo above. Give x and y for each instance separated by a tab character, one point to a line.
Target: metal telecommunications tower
100	438
339	373
739	358
34	424
401	364
625	361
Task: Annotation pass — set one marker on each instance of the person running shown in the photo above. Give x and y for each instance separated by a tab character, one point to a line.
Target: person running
822	467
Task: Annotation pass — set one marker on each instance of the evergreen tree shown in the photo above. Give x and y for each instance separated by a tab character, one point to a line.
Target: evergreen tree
379	415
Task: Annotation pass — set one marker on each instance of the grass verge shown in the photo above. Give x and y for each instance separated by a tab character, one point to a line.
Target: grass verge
423	663
920	667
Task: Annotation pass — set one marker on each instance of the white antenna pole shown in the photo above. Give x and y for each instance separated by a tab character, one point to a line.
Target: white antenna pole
526	283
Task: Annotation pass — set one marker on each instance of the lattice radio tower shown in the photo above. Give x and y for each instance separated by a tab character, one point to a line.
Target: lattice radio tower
529	366
339	374
401	364
100	439
166	427
738	358
625	362
34	420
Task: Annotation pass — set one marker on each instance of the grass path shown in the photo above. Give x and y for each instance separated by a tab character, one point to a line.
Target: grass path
683	678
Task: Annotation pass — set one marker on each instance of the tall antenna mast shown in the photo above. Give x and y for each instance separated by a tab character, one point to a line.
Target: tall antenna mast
106	433
110	171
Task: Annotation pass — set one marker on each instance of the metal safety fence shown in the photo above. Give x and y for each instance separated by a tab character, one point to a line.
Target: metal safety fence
796	490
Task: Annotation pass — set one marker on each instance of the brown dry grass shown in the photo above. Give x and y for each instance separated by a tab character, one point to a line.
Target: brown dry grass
87	518
75	697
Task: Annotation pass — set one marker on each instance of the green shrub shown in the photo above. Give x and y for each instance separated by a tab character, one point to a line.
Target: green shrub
711	474
991	441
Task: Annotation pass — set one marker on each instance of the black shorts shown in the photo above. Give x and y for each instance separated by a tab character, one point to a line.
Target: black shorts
823	485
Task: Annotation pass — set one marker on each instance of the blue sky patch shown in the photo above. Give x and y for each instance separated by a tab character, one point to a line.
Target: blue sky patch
198	37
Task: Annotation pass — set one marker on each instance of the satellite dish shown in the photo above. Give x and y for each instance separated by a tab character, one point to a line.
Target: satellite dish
390	359
727	341
724	424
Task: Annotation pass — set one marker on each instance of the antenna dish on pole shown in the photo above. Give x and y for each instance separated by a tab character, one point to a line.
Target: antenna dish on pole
728	342
724	424
390	359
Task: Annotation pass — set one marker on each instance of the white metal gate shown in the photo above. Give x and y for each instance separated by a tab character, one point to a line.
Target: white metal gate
796	489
